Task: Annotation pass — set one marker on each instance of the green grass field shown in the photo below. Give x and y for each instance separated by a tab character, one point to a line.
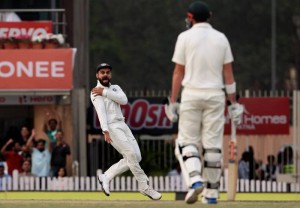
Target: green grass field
140	204
137	200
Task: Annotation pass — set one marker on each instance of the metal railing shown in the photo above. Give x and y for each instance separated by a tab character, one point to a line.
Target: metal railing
57	16
157	154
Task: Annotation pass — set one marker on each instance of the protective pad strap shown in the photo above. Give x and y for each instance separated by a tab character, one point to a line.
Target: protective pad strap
182	146
180	149
214	150
210	164
213	185
194	173
191	154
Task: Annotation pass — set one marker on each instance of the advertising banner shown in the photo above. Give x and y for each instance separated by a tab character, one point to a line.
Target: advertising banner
37	69
25	28
262	116
27	99
144	116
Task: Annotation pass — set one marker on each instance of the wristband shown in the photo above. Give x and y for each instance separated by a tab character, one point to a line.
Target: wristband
230	88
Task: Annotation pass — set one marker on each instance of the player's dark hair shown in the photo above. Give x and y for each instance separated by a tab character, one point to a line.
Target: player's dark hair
200	11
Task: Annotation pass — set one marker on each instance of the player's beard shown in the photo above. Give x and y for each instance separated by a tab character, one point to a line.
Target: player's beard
105	84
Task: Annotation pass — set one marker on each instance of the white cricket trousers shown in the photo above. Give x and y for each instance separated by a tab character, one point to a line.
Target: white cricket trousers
201	118
201	123
125	143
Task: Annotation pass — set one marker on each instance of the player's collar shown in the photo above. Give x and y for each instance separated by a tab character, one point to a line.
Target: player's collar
202	24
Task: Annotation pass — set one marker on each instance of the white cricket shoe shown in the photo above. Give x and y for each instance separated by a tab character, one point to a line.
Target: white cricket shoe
103	180
192	195
152	194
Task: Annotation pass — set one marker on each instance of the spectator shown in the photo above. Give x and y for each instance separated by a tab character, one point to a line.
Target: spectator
259	171
253	165
176	171
2	160
59	153
12	157
3	175
243	166
24	135
279	161
51	125
61	172
288	166
25	152
40	157
270	168
60	182
26	169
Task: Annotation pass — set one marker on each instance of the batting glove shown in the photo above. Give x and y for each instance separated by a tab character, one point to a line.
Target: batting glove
171	110
235	112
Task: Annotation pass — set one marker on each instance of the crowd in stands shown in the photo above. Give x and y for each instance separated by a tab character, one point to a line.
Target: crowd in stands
251	168
31	156
42	157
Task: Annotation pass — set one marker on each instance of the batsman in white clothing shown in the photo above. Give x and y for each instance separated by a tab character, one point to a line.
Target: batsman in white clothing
203	66
107	99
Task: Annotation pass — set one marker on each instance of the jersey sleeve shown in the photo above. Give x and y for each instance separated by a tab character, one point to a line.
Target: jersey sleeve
228	57
115	93
179	52
98	103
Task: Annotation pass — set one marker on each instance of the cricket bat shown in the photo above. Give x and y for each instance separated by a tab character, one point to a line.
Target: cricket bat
232	165
184	171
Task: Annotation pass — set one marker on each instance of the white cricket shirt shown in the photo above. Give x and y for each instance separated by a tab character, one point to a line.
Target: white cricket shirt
203	51
108	105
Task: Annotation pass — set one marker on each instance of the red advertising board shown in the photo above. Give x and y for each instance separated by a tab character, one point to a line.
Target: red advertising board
144	116
25	28
263	116
36	69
